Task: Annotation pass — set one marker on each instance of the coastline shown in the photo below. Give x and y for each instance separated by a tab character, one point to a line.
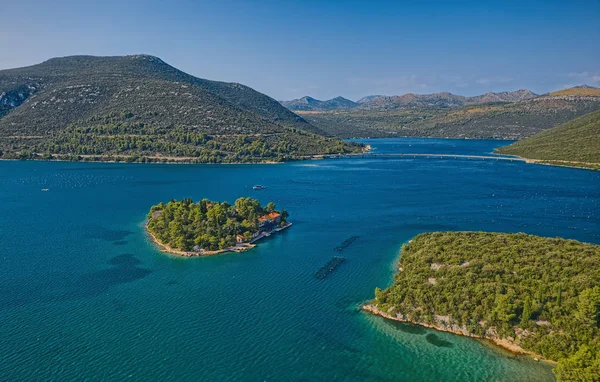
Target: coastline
366	149
499	342
173	160
564	163
164	247
555	162
181	160
237	248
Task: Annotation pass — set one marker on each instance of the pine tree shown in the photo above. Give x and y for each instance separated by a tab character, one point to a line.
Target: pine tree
540	294
526	315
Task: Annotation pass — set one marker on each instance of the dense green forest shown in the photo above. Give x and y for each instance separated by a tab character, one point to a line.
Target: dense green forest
574	141
206	224
544	292
127	137
138	108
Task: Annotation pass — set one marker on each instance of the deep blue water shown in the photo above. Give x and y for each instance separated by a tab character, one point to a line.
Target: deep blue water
86	295
433	146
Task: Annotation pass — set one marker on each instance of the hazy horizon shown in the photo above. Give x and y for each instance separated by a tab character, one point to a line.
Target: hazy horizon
324	50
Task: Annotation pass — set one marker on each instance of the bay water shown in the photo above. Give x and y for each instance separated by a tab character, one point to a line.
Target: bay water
85	295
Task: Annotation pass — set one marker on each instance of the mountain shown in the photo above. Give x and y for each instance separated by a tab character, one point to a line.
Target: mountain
105	79
582	91
311	104
488	116
442	100
519	95
406	101
340	103
140	106
411	100
574	143
368	98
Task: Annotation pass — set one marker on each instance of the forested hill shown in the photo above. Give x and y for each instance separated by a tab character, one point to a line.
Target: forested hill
575	143
90	79
542	294
140	106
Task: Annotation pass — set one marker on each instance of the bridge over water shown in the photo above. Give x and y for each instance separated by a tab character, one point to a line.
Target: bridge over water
427	156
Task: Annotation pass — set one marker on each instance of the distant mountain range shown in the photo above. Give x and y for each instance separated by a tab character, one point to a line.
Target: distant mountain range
139	106
409	100
310	104
441	100
368	98
508	115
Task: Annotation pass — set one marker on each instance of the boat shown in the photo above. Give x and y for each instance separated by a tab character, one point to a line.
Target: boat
258	187
45	189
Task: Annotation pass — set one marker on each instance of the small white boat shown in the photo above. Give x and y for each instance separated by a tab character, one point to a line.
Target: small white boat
45	189
258	187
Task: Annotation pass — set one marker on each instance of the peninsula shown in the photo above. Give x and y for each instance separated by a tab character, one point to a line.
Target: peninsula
526	293
573	144
207	228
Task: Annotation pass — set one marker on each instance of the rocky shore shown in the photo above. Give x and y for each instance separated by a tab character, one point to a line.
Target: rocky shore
237	248
444	324
167	249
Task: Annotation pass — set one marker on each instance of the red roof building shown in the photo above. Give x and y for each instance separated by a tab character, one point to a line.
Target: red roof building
272	218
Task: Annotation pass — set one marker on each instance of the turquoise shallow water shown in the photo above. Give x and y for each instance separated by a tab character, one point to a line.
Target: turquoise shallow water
85	295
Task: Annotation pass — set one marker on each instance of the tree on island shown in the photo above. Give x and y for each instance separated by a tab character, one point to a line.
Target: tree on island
484	282
207	225
270	207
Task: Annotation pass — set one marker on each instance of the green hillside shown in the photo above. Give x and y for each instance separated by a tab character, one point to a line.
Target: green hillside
141	108
541	294
574	141
514	120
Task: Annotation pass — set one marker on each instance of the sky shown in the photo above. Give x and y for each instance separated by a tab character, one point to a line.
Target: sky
289	49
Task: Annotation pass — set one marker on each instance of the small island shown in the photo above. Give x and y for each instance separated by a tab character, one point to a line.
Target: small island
208	228
526	293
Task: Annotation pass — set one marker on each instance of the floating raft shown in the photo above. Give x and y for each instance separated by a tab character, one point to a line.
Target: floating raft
346	243
325	270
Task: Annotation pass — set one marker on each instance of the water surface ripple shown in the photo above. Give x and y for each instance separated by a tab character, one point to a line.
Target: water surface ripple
85	295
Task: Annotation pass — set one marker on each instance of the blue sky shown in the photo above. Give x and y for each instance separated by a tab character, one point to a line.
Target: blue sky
326	48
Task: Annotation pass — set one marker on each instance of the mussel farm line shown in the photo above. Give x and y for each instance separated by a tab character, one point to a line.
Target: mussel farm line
346	243
326	269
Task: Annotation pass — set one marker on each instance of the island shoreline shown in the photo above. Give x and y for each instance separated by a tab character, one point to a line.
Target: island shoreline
501	343
238	248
